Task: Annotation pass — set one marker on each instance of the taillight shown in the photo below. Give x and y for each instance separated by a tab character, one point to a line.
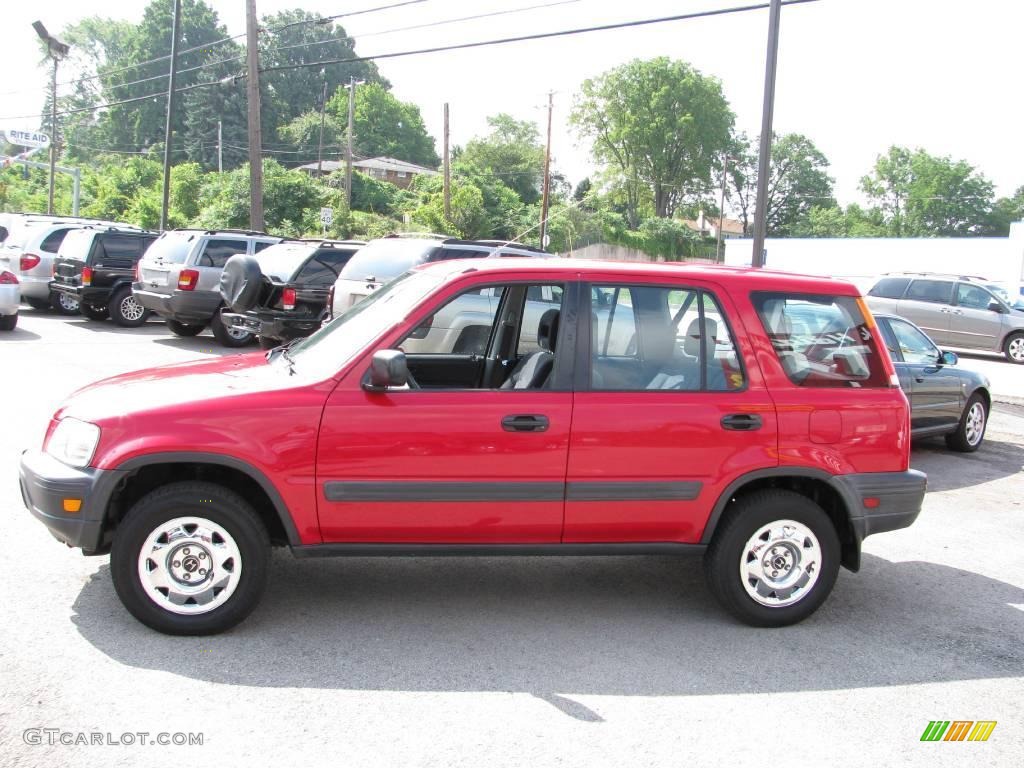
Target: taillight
288	298
8	278
86	275
137	273
330	303
187	280
28	261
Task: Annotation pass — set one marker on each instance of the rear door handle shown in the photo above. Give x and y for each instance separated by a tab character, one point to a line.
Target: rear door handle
525	422
741	422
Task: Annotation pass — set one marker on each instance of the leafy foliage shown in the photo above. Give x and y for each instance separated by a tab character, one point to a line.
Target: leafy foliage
385	126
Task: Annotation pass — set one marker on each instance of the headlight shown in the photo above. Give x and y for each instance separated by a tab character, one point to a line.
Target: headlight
74	442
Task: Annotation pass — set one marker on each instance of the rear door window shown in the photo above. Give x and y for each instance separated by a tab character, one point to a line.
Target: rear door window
823	340
935	291
217	252
120	246
323	268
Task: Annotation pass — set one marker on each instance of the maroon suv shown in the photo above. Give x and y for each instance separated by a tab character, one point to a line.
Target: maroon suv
750	415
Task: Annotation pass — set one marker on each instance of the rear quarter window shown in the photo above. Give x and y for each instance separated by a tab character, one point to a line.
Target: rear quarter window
890	288
823	340
51	243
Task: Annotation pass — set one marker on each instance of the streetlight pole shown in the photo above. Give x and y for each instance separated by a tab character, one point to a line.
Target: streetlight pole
352	83
320	146
546	188
169	124
56	51
252	55
764	157
721	209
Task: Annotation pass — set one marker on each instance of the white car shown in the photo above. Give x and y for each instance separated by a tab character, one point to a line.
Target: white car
10	298
384	259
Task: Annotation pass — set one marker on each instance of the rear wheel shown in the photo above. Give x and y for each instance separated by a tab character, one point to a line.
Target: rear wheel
190	558
8	322
184	329
64	304
94	313
1014	348
971	429
229	337
125	310
774	558
38	304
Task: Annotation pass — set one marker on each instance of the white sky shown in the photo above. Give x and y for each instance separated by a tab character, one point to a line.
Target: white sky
854	75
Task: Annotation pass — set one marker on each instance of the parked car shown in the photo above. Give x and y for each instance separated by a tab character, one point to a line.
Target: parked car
944	400
10	299
386	258
282	294
96	266
954	310
772	456
179	279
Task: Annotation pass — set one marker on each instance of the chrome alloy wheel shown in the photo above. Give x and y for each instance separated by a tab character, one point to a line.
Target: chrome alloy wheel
189	565
130	309
974	425
780	563
67	303
1015	349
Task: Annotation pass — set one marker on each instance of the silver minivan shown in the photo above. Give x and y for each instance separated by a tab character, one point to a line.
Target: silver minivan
955	311
178	278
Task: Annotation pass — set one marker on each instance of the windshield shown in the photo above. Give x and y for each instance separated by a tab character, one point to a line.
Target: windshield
387	258
325	352
170	247
281	261
1017	302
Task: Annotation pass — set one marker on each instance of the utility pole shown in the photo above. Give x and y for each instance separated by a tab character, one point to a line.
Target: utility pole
352	83
764	157
547	178
255	131
721	209
168	128
447	170
320	146
56	51
220	146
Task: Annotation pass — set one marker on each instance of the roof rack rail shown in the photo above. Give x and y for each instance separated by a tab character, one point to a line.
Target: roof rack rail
424	235
953	275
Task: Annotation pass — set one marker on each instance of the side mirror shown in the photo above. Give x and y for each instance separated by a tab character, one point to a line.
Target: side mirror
387	369
995	306
948	358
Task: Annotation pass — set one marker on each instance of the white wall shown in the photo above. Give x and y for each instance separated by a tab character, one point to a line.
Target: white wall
861	260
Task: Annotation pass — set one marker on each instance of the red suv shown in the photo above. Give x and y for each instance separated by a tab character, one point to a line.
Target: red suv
749	415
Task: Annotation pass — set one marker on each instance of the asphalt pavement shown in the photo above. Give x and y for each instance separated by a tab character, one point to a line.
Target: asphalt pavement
622	661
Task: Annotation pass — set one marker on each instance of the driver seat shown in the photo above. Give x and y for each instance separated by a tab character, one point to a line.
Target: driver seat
533	371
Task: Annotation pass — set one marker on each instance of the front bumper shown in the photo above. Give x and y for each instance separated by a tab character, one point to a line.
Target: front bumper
190	307
882	501
46	482
272	325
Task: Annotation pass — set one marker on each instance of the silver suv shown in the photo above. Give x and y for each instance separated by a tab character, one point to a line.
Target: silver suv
954	310
179	279
384	259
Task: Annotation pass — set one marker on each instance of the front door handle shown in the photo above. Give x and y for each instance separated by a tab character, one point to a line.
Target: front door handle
741	422
525	422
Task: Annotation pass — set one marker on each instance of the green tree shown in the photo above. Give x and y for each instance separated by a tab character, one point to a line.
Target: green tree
1005	211
511	152
661	124
921	195
385	126
468	215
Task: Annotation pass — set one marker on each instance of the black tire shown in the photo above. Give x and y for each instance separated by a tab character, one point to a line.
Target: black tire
225	337
1013	348
215	506
125	311
64	304
240	282
742	520
266	342
8	322
94	313
40	305
969	433
184	329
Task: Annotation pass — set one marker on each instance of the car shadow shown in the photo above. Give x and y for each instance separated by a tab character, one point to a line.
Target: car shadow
151	327
948	470
204	344
18	334
555	627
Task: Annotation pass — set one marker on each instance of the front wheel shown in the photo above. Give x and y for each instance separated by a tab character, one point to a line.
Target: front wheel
125	310
774	558
190	558
229	337
64	304
971	429
1013	347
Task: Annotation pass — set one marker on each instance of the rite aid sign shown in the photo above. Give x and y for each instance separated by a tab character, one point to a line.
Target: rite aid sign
26	138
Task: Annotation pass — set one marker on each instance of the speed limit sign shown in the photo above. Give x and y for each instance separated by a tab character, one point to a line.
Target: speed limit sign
326	216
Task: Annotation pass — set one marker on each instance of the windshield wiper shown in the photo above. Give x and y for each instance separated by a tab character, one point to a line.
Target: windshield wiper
283	351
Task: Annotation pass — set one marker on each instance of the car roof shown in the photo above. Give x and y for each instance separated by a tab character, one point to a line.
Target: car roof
752	279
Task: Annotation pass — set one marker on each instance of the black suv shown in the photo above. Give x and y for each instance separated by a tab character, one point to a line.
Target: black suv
282	294
96	266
